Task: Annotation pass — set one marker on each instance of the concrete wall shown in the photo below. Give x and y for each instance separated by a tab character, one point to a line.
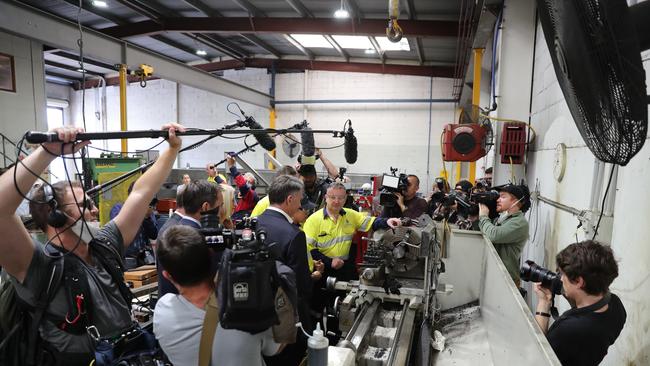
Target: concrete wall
25	109
552	229
388	134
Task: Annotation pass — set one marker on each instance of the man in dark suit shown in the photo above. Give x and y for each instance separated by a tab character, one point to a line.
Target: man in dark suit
198	197
285	195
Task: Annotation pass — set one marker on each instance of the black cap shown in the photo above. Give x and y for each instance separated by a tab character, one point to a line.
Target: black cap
520	192
307	169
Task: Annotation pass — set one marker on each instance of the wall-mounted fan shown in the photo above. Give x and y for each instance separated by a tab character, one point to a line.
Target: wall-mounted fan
595	46
290	146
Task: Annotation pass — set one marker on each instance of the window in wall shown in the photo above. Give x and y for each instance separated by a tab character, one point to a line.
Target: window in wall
57	168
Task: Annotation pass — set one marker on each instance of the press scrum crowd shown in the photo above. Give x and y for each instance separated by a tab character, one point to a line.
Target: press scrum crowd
64	301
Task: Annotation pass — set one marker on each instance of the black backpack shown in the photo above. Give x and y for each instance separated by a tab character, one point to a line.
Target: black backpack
247	291
20	342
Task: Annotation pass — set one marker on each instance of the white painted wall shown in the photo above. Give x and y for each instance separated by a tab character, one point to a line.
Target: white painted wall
162	102
25	109
552	230
394	135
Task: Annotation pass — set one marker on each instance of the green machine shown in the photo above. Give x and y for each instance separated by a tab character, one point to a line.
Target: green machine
107	167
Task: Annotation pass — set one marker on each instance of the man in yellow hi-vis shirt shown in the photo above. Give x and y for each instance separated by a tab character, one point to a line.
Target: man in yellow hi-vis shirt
330	230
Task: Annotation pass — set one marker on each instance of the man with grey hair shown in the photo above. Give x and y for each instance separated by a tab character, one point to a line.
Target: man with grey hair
285	195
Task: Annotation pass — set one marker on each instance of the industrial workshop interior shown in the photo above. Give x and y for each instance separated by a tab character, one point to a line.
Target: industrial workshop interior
324	182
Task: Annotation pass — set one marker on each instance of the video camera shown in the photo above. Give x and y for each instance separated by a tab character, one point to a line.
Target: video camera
468	205
532	272
249	280
216	236
391	184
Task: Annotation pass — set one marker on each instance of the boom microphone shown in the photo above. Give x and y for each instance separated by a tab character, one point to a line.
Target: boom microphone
307	140
350	145
262	137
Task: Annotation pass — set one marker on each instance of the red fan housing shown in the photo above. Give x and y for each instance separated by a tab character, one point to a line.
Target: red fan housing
463	142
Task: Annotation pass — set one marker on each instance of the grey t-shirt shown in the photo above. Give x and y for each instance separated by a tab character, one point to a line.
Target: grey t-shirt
110	313
177	324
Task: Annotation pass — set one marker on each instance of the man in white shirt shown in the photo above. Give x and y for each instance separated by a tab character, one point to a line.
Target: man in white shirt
178	319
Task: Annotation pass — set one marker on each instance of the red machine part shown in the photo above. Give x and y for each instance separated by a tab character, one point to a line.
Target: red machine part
463	142
513	143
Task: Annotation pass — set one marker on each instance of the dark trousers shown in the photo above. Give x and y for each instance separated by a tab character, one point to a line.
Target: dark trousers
292	354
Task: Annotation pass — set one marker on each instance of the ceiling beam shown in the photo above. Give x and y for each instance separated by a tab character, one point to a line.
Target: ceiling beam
123	22
362	27
380	52
261	44
178	46
59	65
88	61
410	9
141	9
300	8
250	8
418	50
222	45
203	8
334	44
215	44
375	68
354	9
300	47
31	23
98	12
63	76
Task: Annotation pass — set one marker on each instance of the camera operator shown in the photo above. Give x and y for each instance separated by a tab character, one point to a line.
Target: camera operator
439	189
285	195
330	230
66	215
582	335
197	198
509	232
408	203
179	319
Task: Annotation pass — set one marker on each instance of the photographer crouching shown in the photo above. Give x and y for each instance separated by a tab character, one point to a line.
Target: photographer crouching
509	232
204	324
582	335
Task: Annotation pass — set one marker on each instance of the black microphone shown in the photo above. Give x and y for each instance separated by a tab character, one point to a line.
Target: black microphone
263	138
350	145
307	140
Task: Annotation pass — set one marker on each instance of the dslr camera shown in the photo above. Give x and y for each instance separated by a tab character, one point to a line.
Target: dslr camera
532	272
391	184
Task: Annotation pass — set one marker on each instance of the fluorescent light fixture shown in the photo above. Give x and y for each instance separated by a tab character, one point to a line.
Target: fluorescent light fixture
341	14
201	52
353	42
386	45
369	51
100	4
312	40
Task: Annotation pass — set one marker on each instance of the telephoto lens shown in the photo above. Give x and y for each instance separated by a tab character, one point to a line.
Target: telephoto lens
532	272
